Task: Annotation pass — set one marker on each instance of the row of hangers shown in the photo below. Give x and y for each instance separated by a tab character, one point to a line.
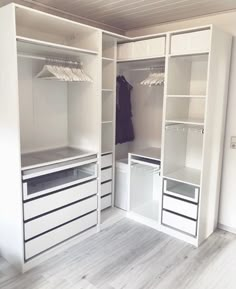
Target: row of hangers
63	71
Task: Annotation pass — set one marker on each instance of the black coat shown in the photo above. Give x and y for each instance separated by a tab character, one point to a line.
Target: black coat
124	126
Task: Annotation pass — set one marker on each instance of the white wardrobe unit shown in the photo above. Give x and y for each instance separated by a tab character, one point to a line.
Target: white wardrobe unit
198	64
108	121
57	140
50	135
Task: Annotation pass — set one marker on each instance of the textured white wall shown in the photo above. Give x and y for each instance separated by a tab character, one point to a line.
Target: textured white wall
226	22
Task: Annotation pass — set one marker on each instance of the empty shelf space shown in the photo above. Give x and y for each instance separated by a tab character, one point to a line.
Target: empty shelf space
42	48
186	175
193	121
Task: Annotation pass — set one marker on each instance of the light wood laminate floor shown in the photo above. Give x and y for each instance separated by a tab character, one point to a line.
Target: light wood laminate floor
129	255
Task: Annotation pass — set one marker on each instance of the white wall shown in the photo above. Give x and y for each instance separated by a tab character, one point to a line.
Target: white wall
226	21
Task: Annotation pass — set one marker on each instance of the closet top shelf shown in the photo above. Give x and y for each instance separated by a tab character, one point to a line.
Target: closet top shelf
29	46
150	153
52	156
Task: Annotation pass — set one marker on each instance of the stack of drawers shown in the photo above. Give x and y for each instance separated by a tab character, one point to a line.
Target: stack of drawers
180	206
106	181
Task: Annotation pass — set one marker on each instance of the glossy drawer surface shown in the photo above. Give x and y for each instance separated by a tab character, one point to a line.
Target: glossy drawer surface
180	223
191	42
106	161
181	207
106	188
52	220
59	235
106	202
106	175
54	201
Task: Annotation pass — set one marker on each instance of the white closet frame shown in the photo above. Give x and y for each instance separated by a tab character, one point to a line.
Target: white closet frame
11	213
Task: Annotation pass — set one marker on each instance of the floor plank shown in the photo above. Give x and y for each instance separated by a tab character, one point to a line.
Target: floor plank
129	255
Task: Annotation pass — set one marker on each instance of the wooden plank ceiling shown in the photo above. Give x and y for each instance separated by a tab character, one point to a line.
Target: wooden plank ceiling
130	14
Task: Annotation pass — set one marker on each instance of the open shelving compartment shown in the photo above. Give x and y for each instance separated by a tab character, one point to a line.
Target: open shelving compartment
183	153
188	75
56	114
48	28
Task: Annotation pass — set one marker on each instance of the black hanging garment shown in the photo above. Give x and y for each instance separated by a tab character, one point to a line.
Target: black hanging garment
124	125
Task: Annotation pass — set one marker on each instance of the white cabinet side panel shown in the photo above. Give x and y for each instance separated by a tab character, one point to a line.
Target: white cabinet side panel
11	227
214	132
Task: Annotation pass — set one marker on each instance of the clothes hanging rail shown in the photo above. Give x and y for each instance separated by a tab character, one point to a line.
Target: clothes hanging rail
144	68
60	69
185	127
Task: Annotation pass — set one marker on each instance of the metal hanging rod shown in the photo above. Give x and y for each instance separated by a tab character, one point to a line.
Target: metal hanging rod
144	69
184	127
49	59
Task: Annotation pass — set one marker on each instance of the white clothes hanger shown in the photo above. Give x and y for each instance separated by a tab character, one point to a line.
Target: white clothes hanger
63	71
154	78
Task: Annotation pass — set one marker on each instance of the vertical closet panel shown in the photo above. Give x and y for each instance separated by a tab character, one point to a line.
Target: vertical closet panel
11	228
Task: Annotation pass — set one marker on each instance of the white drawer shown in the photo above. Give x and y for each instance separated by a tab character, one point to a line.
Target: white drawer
106	188
106	175
181	190
106	202
156	46
180	207
56	200
180	223
50	221
59	235
190	42
106	161
125	50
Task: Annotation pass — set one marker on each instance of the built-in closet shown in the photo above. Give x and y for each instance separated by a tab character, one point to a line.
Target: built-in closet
58	146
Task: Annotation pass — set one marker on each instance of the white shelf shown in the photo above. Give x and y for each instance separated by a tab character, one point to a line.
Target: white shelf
42	48
104	152
140	59
186	96
107	121
52	156
150	152
107	59
192	121
185	175
194	53
107	90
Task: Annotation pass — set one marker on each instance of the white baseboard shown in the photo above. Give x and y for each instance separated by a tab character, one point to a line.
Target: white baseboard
227	228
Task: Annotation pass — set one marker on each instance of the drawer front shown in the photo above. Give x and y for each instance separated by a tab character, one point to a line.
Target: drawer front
180	223
106	175
197	41
54	201
180	207
106	202
181	190
156	46
106	188
125	50
106	161
46	241
50	221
